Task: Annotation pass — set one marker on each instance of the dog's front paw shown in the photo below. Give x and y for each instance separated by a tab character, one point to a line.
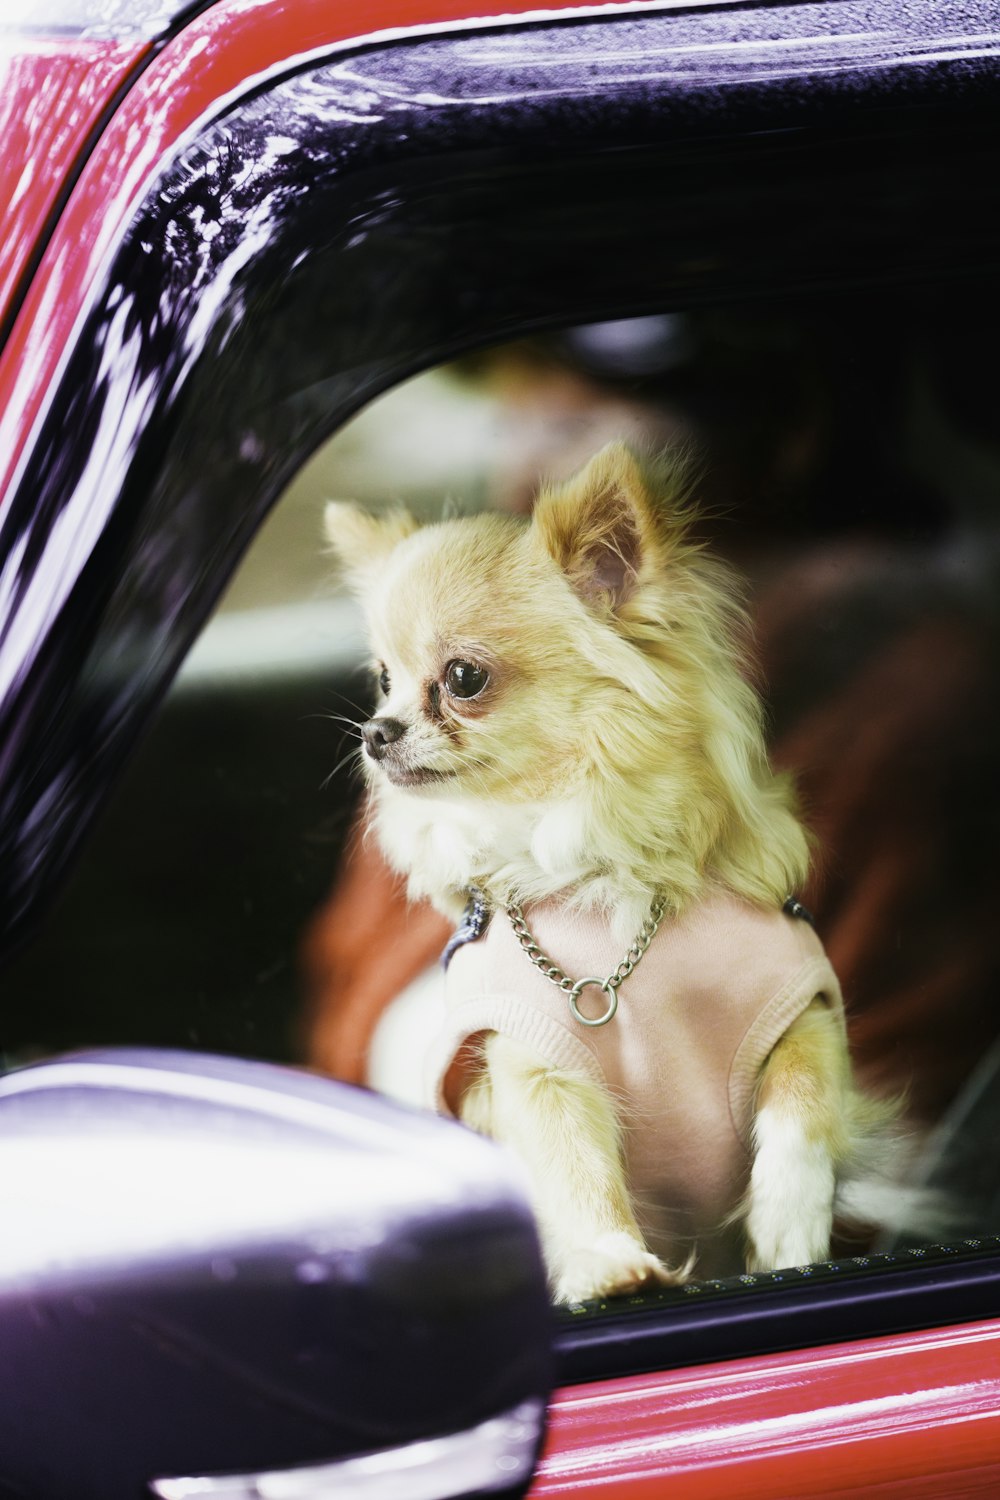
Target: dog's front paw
795	1248
780	1235
614	1264
790	1207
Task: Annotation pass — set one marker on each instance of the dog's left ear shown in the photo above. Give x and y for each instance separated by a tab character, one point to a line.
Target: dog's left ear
602	527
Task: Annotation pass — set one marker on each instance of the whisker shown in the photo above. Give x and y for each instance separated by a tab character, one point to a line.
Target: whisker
351	724
360	708
352	754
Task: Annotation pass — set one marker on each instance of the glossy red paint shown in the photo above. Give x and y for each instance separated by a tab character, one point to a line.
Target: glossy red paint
52	93
905	1418
231	46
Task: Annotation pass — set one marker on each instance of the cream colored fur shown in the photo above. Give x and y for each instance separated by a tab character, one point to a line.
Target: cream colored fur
615	751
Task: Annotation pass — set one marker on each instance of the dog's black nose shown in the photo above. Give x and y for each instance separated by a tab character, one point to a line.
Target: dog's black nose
379	734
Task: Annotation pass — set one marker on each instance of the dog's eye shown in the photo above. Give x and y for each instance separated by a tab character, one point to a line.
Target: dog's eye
384	680
464	679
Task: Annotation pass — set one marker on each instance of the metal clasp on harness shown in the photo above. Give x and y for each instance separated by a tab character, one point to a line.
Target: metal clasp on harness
609	987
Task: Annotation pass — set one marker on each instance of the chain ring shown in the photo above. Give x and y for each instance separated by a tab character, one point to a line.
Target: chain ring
611	990
564	982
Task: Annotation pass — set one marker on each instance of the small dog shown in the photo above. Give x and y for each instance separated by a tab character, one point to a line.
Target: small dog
566	730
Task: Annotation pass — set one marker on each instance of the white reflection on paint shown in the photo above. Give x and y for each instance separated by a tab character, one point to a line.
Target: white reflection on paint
124	410
695	1439
96	1195
102	1200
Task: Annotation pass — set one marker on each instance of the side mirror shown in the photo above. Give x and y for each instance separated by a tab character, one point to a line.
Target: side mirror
226	1279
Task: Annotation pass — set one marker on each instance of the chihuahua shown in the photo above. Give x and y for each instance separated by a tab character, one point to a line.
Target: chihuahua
566	733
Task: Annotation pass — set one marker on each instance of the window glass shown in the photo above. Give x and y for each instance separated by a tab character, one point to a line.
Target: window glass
848	467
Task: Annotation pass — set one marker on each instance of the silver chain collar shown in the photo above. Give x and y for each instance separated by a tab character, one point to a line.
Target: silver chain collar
572	988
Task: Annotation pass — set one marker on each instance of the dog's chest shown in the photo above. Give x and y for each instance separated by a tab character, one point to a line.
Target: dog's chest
695	1019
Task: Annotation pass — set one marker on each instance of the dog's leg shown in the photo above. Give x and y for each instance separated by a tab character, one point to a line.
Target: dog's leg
801	1136
564	1129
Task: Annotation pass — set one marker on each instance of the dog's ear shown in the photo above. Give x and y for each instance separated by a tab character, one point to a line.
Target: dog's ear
603	527
362	541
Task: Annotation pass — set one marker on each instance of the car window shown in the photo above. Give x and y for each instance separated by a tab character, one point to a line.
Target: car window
847	466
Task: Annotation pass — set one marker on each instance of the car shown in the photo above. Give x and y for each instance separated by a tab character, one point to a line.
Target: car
228	227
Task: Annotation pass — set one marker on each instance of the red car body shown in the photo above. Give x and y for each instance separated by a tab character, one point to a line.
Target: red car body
914	1415
86	124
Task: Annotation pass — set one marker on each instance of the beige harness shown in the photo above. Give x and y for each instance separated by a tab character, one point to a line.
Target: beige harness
717	988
